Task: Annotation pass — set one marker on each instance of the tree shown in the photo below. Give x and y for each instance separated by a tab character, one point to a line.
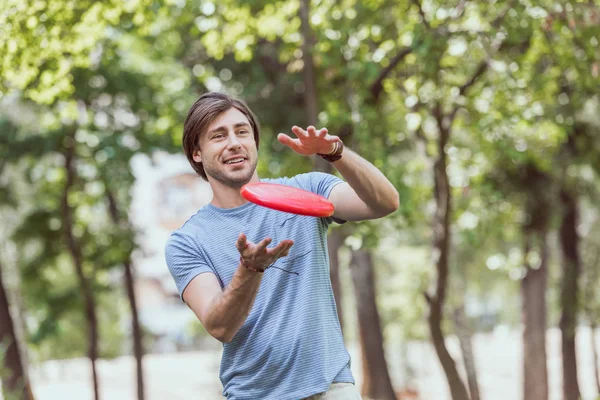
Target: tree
569	244
441	229
13	368
433	40
13	376
376	378
533	284
464	334
573	83
85	282
311	104
572	94
43	42
78	93
136	330
591	301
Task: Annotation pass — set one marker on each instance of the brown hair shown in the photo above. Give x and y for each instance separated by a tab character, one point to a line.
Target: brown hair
202	113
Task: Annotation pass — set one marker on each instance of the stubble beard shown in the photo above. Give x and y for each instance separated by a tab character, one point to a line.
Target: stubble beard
234	180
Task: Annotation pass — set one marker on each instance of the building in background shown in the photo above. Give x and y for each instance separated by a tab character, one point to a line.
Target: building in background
167	192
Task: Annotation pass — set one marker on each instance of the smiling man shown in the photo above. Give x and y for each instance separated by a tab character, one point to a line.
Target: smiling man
279	327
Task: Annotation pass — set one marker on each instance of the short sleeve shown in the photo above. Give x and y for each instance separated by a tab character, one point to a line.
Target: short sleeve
184	260
318	182
322	184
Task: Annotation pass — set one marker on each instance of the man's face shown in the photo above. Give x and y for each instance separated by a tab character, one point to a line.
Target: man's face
227	149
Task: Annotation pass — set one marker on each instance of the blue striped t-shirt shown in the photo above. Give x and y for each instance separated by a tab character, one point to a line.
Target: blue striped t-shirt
290	347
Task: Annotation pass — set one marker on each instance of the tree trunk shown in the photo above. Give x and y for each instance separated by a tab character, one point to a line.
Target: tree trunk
595	357
441	246
376	378
464	337
311	101
535	186
569	240
138	349
589	302
533	295
15	384
77	257
310	87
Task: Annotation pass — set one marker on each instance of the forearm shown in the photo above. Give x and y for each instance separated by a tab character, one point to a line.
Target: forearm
369	183
228	310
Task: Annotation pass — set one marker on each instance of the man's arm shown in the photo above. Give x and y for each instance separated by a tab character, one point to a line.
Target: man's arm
223	312
367	193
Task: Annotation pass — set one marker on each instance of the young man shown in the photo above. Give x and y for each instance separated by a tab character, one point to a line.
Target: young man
271	306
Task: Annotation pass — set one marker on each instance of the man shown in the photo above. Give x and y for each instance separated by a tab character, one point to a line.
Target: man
272	307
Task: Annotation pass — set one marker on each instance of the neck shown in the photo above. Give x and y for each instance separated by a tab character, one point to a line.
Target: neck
226	196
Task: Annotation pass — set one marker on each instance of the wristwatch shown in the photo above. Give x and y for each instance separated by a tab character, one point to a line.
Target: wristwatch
336	154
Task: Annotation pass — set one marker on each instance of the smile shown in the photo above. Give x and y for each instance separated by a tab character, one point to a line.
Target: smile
235	161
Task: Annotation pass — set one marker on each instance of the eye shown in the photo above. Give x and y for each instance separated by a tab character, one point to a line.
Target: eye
243	132
218	136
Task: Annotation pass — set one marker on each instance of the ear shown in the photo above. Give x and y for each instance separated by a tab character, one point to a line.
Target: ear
197	156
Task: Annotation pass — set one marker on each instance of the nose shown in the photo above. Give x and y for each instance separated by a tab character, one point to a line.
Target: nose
233	141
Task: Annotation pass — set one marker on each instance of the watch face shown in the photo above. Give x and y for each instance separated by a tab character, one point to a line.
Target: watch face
180	196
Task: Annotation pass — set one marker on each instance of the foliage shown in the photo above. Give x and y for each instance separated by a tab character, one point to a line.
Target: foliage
515	81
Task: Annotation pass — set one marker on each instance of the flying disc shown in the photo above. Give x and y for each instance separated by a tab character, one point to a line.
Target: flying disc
287	199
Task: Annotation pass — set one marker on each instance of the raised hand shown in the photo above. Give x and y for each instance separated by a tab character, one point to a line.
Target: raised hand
310	141
258	256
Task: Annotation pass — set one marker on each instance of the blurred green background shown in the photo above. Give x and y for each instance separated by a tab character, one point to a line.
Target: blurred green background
485	116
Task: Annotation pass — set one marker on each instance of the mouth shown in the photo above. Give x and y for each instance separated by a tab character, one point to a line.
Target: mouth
235	161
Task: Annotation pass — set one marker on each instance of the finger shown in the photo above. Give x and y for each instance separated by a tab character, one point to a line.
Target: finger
263	244
288	141
332	139
321	133
293	144
311	131
242	243
301	133
276	251
281	246
287	249
286	245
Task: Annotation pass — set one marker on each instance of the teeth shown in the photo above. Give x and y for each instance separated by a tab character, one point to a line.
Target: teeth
234	161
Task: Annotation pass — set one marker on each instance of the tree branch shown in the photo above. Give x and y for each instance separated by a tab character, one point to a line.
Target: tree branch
428	298
460	9
443	123
377	86
484	64
481	68
421	13
498	21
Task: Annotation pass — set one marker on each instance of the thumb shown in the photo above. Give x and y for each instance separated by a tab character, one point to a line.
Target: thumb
293	144
286	140
242	242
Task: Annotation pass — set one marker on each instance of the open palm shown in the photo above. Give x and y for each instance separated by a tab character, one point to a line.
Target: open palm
310	141
258	255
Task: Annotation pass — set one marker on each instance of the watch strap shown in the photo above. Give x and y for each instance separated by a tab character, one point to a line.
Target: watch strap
336	154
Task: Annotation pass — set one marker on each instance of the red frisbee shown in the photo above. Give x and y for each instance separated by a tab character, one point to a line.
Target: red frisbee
287	198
